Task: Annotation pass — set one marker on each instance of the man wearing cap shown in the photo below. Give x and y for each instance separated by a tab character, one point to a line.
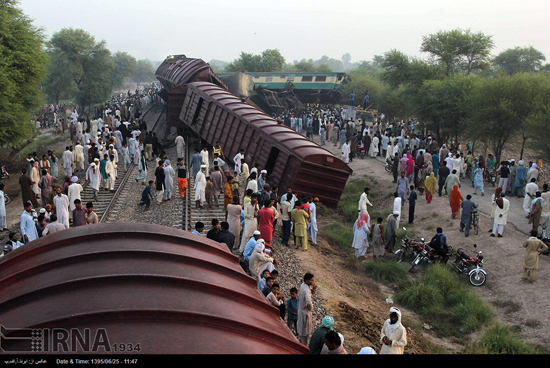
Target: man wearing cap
318	338
262	180
250	245
74	192
200	187
393	336
27	225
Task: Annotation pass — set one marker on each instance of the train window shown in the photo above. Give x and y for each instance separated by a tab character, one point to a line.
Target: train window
307	78
283	76
256	77
321	78
269	79
291	78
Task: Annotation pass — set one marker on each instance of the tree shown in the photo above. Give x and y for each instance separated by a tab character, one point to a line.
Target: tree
459	50
22	69
89	64
144	72
442	106
269	60
400	70
124	66
520	60
59	84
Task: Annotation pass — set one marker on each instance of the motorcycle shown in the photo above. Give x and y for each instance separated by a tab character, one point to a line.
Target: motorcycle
5	173
388	165
429	255
471	265
491	177
409	247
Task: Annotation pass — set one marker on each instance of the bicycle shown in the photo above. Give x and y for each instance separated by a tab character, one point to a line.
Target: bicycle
475	222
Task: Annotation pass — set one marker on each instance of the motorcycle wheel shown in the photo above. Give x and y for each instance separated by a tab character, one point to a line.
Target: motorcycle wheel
6	199
388	168
414	263
477	278
399	255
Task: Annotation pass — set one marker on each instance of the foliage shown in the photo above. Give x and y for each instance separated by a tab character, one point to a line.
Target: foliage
338	234
442	105
88	62
441	295
144	72
459	50
401	70
386	272
520	60
124	66
269	60
22	69
500	340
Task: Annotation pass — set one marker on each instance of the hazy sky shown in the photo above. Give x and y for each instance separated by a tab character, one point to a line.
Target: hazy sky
221	29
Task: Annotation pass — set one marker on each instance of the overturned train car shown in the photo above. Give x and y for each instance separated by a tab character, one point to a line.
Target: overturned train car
217	115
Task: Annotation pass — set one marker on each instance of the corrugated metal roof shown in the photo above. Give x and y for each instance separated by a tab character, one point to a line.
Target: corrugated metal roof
168	290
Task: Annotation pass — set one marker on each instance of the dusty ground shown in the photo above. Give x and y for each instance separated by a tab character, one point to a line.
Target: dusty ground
358	304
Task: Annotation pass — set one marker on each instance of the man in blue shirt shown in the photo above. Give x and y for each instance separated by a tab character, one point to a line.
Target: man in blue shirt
199	227
250	245
28	227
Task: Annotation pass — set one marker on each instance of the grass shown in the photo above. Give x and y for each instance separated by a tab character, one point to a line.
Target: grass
339	235
41	145
442	297
500	340
387	272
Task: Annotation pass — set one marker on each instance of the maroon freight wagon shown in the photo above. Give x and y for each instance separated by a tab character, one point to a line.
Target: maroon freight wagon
138	289
290	159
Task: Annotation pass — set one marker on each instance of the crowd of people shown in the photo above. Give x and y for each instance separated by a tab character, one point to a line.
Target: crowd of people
51	187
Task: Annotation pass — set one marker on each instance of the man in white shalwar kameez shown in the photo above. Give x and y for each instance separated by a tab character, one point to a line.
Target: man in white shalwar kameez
79	156
110	169
180	147
346	151
74	193
205	158
169	173
61	204
393	336
531	189
93	176
67	158
200	187
305	308
312	225
397	205
364	201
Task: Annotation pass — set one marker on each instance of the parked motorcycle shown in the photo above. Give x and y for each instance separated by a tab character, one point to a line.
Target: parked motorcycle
471	265
409	247
388	165
491	177
430	256
5	173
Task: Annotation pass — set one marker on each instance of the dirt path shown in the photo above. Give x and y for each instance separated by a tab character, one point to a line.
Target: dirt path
516	303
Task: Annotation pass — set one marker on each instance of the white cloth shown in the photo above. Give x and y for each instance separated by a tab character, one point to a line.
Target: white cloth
360	239
502	211
61	203
396	333
530	188
363	202
180	146
53	227
200	187
93	175
67	158
397	208
74	193
345	152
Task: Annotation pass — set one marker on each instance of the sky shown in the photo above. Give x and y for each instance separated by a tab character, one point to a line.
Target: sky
222	29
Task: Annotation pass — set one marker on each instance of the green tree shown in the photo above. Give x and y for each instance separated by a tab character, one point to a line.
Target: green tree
89	64
22	69
442	106
269	60
59	84
520	60
124	66
144	72
459	50
401	70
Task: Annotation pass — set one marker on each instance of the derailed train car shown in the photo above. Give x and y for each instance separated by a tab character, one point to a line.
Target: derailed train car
288	157
201	101
138	289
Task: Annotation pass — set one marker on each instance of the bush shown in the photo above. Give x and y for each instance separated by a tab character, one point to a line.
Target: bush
338	234
499	340
390	272
443	296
